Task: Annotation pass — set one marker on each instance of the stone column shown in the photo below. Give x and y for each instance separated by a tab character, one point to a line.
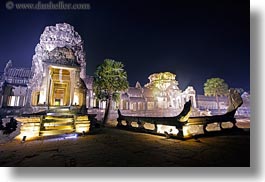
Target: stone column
194	101
48	77
72	86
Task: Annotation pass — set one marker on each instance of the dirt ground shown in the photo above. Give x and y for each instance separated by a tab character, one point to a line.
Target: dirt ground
113	147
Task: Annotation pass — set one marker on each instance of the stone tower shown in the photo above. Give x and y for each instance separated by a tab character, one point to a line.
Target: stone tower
59	68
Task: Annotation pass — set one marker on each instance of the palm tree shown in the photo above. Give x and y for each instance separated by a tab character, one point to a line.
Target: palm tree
110	78
215	87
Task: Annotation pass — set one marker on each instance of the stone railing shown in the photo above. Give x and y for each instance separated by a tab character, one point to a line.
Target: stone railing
183	126
164	125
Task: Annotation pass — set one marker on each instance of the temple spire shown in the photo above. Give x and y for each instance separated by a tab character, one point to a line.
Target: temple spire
138	85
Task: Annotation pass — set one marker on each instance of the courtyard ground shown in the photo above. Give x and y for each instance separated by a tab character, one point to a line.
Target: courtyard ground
113	147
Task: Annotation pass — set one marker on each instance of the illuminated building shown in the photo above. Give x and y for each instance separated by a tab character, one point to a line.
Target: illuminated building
57	83
52	94
160	94
58	70
13	86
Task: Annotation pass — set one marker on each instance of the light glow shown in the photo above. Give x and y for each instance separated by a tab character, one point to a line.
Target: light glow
186	132
42	98
82	124
71	136
149	126
227	125
30	127
213	127
123	123
134	124
12	101
168	129
76	99
81	129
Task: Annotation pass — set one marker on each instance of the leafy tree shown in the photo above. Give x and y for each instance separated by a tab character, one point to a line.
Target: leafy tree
215	87
110	78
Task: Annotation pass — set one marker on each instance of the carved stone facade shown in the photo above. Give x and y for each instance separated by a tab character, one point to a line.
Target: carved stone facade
208	103
151	99
161	96
13	86
52	94
244	110
58	78
58	68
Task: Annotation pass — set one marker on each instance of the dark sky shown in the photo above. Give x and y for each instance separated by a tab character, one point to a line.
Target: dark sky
194	39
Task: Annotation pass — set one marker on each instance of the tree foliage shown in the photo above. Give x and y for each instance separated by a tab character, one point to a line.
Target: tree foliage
215	87
110	78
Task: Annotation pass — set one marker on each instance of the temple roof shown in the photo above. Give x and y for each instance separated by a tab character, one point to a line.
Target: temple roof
134	92
19	72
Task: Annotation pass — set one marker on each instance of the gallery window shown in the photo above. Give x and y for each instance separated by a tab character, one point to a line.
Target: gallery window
150	105
14	101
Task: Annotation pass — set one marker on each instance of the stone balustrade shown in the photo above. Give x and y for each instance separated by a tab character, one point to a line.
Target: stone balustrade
181	126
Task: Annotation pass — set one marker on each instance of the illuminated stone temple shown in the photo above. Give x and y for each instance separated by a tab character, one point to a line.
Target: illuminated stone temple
52	95
14	86
56	96
58	69
161	96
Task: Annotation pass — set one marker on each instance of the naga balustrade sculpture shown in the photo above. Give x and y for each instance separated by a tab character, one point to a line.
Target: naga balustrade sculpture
182	125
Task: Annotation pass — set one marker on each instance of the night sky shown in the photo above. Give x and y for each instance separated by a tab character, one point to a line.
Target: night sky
194	39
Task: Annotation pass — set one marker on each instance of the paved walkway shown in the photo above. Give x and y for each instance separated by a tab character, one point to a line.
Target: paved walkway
114	147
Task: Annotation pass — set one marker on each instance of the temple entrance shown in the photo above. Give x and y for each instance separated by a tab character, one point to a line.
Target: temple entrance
61	87
59	94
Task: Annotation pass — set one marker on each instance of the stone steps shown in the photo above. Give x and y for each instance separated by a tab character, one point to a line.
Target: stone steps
60	123
55	132
82	124
51	123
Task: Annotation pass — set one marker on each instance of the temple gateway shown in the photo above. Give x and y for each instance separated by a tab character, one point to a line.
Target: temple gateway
49	98
58	68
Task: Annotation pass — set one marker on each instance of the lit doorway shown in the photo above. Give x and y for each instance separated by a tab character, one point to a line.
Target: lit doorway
59	94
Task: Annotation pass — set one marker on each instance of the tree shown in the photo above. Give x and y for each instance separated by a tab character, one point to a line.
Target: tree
215	87
110	78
